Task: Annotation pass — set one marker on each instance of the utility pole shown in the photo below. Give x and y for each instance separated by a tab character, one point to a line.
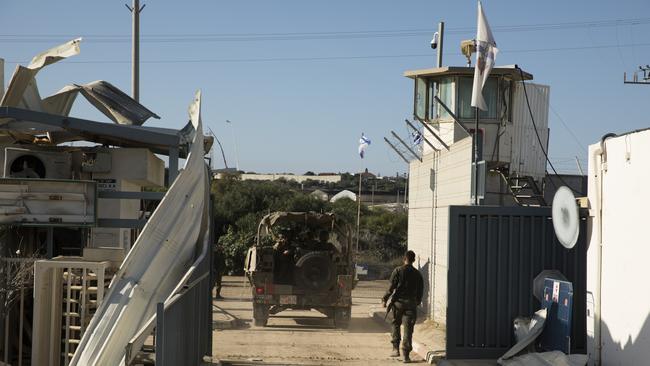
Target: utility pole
135	10
359	211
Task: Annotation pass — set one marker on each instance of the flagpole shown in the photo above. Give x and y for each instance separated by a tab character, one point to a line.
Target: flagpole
359	211
363	143
475	149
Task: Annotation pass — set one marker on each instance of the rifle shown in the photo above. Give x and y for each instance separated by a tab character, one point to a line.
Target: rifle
391	304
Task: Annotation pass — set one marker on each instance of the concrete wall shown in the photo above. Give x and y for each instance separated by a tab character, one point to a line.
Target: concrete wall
440	180
622	177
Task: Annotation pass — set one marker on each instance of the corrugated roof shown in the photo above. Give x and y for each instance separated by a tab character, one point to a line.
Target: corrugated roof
510	71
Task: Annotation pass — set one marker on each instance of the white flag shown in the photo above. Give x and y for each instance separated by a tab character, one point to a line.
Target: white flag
363	145
486	53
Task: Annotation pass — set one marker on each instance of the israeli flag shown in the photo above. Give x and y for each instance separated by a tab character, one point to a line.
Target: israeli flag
417	138
364	142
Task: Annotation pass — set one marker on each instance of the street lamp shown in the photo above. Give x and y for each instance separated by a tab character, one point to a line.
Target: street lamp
234	141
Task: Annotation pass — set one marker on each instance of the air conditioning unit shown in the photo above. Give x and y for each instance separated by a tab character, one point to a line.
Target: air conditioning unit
25	163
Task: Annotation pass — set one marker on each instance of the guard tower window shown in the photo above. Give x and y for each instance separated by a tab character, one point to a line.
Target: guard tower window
490	94
446	95
421	98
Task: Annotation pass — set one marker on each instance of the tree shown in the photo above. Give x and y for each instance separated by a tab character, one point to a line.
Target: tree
240	205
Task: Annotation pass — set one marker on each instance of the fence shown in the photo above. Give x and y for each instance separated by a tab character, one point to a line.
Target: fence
15	304
184	325
494	255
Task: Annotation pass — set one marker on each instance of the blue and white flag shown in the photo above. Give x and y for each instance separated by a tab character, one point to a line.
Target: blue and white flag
416	138
486	53
363	145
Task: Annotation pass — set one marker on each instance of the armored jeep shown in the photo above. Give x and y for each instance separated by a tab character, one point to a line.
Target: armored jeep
301	261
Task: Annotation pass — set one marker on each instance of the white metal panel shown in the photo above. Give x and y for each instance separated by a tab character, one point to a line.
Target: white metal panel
440	180
22	90
156	264
44	202
527	156
625	310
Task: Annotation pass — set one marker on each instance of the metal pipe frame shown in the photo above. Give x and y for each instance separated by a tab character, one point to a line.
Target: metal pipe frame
397	151
444	106
423	138
406	146
432	132
159	140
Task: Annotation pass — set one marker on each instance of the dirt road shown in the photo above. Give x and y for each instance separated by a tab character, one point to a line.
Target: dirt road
303	337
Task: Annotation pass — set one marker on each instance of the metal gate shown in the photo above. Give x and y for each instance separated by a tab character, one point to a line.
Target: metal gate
494	255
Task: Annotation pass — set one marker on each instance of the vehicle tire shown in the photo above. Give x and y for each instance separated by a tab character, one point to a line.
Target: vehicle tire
315	272
260	315
342	317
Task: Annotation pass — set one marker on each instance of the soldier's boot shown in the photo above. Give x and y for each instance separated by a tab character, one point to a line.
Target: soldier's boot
407	359
395	352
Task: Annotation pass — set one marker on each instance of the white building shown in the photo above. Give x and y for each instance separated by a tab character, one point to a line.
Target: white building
297	178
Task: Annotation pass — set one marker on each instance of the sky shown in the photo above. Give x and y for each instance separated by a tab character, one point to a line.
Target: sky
300	85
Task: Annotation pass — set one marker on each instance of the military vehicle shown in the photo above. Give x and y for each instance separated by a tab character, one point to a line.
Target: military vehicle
301	261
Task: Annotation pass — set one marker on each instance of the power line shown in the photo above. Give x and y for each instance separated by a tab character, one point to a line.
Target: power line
332	58
335	35
566	126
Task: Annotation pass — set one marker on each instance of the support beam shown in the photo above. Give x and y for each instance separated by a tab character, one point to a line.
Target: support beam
173	165
397	151
444	106
49	242
109	133
406	146
148	196
121	223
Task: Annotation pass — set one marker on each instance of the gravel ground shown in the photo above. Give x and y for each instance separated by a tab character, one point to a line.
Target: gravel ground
303	337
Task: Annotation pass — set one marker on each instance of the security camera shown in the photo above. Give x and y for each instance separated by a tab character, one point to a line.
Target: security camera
434	41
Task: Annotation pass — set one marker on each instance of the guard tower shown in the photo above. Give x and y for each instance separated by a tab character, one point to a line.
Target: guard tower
508	138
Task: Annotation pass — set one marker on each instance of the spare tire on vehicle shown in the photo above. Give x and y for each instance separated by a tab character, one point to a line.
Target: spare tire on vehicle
315	271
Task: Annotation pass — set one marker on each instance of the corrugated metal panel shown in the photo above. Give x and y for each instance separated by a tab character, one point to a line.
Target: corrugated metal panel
184	323
494	255
527	156
440	180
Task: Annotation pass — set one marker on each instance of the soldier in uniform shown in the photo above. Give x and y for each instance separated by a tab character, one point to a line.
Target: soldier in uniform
219	265
283	256
405	294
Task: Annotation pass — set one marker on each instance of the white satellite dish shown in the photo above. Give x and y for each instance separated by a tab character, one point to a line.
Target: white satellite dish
566	218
